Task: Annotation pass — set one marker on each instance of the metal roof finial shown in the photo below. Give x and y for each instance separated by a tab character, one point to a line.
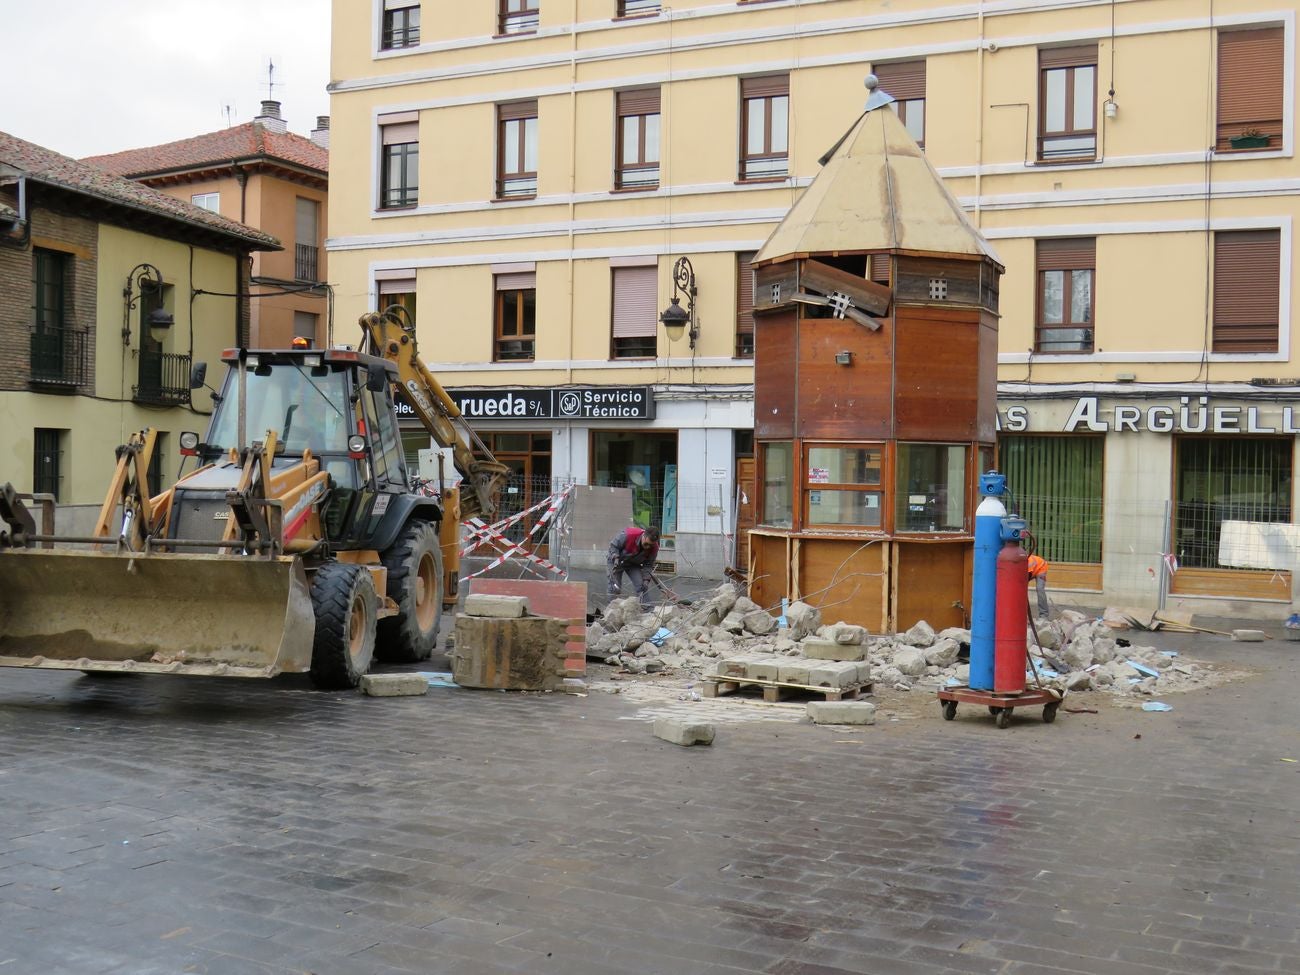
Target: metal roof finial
875	97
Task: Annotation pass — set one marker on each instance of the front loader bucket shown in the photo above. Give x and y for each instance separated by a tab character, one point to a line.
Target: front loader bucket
228	616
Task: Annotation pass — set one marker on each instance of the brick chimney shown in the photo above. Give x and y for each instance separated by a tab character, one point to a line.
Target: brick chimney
321	134
270	118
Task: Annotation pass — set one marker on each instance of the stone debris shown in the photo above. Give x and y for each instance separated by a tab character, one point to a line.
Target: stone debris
723	635
394	685
682	731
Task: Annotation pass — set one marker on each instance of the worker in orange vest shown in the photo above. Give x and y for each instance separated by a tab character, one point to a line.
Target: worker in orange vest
1038	572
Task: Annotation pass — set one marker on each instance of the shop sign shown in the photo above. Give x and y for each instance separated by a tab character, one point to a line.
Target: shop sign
1193	414
568	403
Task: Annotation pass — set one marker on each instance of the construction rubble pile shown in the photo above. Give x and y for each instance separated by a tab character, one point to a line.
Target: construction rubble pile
727	631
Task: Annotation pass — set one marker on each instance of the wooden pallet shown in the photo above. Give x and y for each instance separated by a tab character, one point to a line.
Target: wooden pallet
716	685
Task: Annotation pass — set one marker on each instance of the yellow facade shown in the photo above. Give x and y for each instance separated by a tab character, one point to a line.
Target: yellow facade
1152	195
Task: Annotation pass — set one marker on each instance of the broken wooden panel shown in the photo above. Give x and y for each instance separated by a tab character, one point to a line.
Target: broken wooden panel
866	295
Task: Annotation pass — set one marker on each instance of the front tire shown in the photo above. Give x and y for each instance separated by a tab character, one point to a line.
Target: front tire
344	601
414	566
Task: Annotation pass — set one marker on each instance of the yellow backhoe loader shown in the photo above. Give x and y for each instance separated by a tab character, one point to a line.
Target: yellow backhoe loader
298	545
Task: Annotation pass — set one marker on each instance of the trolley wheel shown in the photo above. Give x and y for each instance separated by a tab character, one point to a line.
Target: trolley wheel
949	710
1004	717
1049	712
994	710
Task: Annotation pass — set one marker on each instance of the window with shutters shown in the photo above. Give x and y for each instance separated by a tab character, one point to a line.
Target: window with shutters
1067	103
637	118
47	461
304	327
401	25
1066	273
396	287
400	160
306	253
1247	295
744	305
630	8
905	80
635	318
517	150
1251	67
764	127
516	317
519	16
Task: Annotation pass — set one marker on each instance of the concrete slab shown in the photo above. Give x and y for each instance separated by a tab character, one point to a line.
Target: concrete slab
682	731
817	648
496	607
394	685
842	712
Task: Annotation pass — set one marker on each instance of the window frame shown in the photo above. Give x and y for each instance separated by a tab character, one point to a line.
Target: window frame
525	334
637	105
514	17
644	344
745	304
409	31
905	80
405	194
766	89
1250	53
1071	60
880	487
1247	284
48	444
508	115
902	497
1067	256
638	8
207	201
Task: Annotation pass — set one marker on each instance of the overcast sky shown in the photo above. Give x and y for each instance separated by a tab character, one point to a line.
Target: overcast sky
85	77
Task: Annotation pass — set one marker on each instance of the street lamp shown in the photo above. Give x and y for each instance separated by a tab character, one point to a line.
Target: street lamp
144	278
675	318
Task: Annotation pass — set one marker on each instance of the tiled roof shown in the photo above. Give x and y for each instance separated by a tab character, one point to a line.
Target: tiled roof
250	140
48	166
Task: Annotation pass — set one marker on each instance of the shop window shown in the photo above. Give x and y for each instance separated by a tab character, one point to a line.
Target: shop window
744	306
905	80
399	176
1056	484
778	485
1220	479
930	488
1066	274
844	486
517	150
764	127
1247	276
1251	70
401	25
644	462
637	152
633	311
1067	104
515	317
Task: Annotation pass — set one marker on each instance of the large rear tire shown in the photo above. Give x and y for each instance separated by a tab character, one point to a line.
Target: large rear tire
414	566
343	599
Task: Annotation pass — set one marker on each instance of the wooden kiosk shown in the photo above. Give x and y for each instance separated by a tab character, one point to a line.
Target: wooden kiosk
875	383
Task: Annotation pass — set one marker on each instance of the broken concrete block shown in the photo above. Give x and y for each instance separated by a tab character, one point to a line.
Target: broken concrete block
524	654
1249	636
835	674
847	633
920	635
842	712
793	672
864	672
802	619
759	622
910	662
820	648
496	607
681	731
733	666
942	654
394	685
764	669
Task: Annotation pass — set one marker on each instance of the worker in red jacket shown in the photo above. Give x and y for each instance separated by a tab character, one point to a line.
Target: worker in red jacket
1038	572
633	552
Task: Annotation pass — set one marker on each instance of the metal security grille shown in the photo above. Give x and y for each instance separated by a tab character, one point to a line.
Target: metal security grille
1227	479
47	473
1056	485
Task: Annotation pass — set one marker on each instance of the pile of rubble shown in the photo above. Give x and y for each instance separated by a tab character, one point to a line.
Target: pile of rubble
1078	653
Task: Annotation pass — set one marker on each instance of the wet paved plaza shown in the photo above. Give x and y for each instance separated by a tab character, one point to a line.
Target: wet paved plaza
156	825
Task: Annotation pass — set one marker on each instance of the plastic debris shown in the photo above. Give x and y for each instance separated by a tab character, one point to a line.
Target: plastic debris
437	678
1156	706
661	634
1143	668
1169	653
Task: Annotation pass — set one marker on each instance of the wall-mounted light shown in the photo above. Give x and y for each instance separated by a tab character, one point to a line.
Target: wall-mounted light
844	358
675	318
1111	108
144	279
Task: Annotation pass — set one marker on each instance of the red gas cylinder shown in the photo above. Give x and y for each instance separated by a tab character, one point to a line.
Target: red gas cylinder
1010	653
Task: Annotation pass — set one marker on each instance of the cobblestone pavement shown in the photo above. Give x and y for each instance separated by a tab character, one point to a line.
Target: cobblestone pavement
167	825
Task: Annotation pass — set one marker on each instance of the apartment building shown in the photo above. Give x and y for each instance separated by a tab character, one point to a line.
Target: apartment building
527	176
260	174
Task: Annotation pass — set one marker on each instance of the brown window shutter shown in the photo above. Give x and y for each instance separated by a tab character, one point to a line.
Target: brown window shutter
635	292
1250	73
1067	57
643	102
905	80
516	110
1247	276
744	292
1067	254
768	87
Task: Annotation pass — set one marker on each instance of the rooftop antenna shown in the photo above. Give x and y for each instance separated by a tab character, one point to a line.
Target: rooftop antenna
229	112
270	80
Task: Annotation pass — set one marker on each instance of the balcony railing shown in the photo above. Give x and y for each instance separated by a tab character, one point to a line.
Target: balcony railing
164	378
60	357
306	262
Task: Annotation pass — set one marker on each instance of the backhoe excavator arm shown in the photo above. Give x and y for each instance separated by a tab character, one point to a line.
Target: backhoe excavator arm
393	338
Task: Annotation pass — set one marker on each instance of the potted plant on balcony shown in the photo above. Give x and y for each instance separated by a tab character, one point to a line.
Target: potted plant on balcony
1250	138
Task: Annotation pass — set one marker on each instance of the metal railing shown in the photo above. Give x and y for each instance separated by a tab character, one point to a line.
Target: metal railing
163	377
59	356
306	262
